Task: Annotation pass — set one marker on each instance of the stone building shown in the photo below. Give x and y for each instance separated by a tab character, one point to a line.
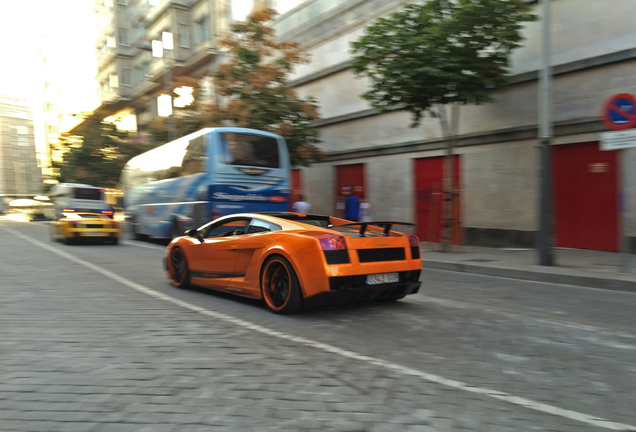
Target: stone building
399	169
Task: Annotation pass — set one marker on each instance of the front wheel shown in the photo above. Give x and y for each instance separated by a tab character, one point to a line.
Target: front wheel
280	287
178	268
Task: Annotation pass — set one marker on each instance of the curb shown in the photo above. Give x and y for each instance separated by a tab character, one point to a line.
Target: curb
535	276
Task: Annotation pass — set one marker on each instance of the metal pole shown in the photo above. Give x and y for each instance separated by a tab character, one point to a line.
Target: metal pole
545	237
624	216
172	127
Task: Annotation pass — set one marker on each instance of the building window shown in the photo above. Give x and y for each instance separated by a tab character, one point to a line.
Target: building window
182	35
202	28
123	37
113	81
21	135
126	77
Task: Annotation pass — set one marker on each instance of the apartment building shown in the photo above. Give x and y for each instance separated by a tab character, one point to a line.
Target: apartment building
131	76
20	173
147	48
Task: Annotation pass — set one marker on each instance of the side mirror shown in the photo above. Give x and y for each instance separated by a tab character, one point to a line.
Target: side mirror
195	233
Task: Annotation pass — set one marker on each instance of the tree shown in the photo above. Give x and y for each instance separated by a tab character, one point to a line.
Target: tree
252	90
438	55
96	156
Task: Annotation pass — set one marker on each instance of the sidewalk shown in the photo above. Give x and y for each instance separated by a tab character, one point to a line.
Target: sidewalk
589	268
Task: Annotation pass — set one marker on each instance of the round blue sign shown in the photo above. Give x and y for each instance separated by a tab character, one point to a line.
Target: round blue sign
619	112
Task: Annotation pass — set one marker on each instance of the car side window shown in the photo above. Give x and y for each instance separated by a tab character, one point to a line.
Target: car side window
258	226
229	228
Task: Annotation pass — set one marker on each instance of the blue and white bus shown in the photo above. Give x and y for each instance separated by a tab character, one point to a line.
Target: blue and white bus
203	175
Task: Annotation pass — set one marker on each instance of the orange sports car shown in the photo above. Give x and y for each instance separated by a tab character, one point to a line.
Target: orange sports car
293	260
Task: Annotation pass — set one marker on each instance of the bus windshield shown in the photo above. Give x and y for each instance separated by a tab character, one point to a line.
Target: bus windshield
215	171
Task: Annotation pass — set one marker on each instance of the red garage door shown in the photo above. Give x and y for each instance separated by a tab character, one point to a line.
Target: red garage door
429	180
585	197
351	176
297	185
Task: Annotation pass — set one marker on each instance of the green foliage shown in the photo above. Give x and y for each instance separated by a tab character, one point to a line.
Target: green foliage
254	84
439	52
96	156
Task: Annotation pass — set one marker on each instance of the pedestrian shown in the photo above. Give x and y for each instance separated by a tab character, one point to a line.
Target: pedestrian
352	205
301	206
365	210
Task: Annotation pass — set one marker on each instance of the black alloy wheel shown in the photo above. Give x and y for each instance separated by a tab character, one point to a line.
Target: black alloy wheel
279	286
178	268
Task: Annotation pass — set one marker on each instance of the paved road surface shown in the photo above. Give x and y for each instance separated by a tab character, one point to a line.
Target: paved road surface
93	338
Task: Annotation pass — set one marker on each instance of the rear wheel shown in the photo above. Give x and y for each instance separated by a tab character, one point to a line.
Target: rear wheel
178	268
52	233
280	287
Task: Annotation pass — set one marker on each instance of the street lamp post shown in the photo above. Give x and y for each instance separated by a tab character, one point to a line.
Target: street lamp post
545	238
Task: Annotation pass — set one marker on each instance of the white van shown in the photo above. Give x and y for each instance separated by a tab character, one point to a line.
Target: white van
76	197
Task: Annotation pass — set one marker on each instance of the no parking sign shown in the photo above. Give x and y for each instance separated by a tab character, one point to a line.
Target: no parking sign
619	111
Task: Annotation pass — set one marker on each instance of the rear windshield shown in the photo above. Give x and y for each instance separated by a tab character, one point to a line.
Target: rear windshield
88	194
90	216
316	220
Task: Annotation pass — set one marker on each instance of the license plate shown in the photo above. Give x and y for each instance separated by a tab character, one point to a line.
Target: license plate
382	278
95	234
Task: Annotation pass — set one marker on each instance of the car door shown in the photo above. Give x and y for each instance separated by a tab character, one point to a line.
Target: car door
212	262
250	249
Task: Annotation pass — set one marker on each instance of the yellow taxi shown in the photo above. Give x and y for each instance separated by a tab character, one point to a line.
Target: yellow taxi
85	226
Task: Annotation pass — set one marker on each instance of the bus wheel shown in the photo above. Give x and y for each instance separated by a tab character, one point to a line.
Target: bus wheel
178	269
279	286
133	230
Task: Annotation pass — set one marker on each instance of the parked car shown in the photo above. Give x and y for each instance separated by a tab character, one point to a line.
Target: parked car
292	260
84	227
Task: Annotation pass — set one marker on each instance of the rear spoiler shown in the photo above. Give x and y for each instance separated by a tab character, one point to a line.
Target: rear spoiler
363	226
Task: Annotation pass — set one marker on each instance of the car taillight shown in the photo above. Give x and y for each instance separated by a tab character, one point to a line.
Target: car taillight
414	242
329	242
107	212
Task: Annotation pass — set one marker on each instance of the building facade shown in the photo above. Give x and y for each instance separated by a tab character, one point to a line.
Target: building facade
132	77
400	169
20	173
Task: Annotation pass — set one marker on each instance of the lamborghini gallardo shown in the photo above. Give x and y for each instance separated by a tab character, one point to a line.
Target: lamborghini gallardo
293	260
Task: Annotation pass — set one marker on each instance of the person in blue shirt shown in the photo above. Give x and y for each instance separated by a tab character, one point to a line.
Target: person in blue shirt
352	205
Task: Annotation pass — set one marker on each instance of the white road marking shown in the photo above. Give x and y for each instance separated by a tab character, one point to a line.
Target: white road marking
459	385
